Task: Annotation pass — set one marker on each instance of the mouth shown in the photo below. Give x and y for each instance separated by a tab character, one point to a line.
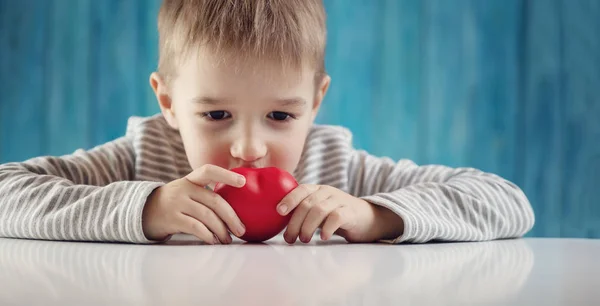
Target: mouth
247	166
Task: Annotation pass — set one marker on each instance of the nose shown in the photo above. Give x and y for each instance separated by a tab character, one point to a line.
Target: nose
248	148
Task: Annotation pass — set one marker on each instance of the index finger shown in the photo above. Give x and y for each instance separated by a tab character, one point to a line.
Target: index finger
211	174
292	199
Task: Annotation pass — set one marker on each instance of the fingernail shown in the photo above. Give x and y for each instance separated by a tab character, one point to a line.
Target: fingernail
282	209
241	229
216	240
288	239
241	180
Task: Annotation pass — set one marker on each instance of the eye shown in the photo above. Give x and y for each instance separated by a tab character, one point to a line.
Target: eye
279	116
217	115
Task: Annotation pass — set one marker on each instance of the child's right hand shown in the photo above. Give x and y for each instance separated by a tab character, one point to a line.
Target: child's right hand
186	206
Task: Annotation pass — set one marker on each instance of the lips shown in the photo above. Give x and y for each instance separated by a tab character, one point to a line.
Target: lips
249	166
252	166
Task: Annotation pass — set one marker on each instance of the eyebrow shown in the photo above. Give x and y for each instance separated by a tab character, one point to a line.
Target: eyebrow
206	100
295	101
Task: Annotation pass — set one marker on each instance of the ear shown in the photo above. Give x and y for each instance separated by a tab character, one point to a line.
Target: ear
164	99
322	88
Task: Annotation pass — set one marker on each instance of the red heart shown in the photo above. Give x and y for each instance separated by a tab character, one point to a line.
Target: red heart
256	202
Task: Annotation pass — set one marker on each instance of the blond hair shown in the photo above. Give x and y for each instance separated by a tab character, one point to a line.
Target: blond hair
286	32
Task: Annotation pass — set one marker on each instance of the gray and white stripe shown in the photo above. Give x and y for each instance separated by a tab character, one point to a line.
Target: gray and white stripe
99	194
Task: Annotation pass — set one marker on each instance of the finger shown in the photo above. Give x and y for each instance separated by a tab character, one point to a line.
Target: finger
335	220
315	217
208	218
211	174
189	225
301	211
292	199
221	208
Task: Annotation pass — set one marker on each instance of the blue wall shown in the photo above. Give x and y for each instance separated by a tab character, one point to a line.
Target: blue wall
508	86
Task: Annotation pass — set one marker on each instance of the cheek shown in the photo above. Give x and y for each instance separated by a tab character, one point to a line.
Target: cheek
286	152
204	148
214	155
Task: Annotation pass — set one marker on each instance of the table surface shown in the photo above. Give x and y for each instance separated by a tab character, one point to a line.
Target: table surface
186	272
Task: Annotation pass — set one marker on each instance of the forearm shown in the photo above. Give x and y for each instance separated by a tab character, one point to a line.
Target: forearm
467	208
390	225
53	208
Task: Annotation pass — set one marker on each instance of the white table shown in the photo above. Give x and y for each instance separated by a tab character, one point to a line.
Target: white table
186	272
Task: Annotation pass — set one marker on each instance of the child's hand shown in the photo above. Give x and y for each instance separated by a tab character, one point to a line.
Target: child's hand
186	206
335	211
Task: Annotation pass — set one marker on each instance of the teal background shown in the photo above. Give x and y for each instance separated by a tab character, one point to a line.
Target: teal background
507	86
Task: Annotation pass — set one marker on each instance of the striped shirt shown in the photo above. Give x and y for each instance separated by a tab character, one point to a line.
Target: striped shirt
99	194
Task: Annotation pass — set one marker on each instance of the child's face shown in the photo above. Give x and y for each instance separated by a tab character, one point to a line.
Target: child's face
253	117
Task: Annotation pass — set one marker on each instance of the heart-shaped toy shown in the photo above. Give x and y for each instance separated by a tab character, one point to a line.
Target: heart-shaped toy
256	202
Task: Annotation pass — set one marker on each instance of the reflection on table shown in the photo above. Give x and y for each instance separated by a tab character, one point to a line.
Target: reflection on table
186	271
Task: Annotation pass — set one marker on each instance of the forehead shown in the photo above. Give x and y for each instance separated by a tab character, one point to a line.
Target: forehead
207	72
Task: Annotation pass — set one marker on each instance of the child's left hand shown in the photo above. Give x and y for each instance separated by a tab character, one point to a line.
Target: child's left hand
335	211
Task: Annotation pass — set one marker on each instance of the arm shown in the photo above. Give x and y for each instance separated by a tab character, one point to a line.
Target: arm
85	196
441	203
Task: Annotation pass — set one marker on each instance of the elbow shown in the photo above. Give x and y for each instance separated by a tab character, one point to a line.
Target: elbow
518	210
505	199
525	213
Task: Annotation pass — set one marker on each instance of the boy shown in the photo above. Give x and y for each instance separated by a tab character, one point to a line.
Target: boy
239	83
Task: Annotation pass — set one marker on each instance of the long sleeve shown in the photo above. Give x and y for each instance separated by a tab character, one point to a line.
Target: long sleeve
86	196
441	203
